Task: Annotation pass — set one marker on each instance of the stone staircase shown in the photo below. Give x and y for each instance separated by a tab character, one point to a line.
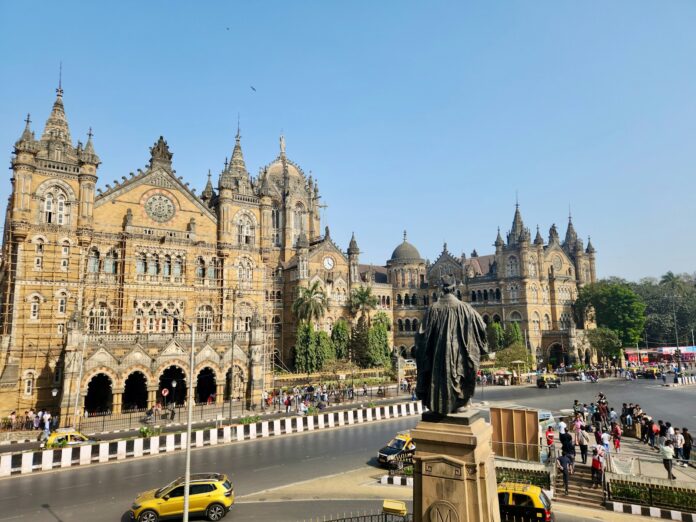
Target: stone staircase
580	491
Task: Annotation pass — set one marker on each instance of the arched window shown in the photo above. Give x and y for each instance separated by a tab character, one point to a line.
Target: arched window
479	295
151	321
398	300
245	273
388	302
39	250
178	266
513	267
212	273
99	319
514	293
34	307
167	266
55	208
204	318
245	230
110	262
497	294
485	295
473	296
515	317
60	209
28	384
407	300
65	255
407	325
200	270
93	261
414	325
49	208
153	265
62	303
547	322
139	320
400	325
536	323
298	221
276	227
140	264
277	325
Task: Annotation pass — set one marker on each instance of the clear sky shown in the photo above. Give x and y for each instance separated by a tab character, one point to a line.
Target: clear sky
425	116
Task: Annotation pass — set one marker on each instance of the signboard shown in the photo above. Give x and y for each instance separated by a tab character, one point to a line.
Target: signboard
165	392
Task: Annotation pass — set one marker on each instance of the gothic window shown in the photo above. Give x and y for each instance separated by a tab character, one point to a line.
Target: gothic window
497	294
245	230
62	303
138	320
275	224
473	296
485	295
153	265
110	262
140	264
55	209
28	384
496	318
211	271
99	319
564	321
407	325
513	290
532	266
151	321
39	246
93	261
388	300
515	317
200	270
204	319
479	295
547	322
245	273
400	325
49	208
298	221
414	325
167	266
398	300
407	300
276	324
536	323
534	294
178	266
513	267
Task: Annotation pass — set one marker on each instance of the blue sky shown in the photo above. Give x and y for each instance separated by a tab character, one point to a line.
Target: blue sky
425	116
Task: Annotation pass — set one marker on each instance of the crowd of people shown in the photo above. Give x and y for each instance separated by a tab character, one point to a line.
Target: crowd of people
31	420
599	427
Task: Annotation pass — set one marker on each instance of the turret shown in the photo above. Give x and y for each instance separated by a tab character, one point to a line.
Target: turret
538	240
590	251
353	260
517	227
208	193
302	256
89	162
23	165
499	243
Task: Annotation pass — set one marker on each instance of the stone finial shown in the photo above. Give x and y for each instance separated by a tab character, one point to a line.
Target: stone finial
160	154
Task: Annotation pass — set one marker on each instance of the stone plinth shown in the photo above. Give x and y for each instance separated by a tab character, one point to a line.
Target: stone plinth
454	470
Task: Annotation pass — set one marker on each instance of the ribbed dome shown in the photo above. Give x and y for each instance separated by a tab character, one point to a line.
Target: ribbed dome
406	252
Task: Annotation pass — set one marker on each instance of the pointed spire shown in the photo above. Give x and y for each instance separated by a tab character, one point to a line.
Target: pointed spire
207	193
57	124
404	236
353	246
26	141
590	248
517	226
160	154
553	235
237	167
88	155
499	240
538	240
571	236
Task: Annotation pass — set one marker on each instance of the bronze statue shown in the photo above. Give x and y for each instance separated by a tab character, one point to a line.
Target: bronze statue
448	351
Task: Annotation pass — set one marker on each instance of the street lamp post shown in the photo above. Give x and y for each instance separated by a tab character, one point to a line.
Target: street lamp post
173	395
189	407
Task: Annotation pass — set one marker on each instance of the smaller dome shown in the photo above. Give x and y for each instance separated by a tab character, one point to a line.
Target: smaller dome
406	252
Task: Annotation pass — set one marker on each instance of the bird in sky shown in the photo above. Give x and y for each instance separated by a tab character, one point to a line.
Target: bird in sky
253	88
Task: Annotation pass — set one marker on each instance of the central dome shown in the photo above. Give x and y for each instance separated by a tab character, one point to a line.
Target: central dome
406	252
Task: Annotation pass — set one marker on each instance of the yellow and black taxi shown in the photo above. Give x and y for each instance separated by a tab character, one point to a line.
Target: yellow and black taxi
210	494
65	437
398	452
548	380
523	502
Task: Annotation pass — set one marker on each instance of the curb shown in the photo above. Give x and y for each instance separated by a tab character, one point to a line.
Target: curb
396	480
646	511
26	462
18	441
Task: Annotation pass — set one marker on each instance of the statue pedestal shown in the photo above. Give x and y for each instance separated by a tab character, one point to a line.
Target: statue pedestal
454	470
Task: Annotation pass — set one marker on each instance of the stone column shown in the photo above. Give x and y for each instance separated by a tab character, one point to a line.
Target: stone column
117	400
454	470
219	393
152	395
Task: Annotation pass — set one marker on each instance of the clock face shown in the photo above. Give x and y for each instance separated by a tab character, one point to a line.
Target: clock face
328	263
557	263
160	208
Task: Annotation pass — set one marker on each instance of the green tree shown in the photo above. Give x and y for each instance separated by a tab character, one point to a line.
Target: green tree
615	306
513	334
305	348
514	352
605	342
377	352
324	349
340	336
358	341
362	301
495	336
310	304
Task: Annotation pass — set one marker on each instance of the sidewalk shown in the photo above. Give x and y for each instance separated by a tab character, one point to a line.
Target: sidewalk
640	459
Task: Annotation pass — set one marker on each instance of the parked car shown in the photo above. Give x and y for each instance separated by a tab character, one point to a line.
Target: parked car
523	502
398	452
548	380
210	494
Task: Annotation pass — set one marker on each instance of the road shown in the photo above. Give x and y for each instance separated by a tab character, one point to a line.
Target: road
104	492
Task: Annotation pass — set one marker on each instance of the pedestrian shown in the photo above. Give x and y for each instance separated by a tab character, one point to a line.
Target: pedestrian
562	427
667	453
679	447
172	413
37	419
564	465
613	416
597	468
549	439
583	440
616	436
662	433
688	444
606	438
47	423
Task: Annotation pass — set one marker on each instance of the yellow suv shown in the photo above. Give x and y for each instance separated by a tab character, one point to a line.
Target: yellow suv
211	494
523	502
65	437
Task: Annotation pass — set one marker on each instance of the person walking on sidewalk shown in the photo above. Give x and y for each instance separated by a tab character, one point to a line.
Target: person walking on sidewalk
583	440
597	468
679	447
688	444
616	436
564	465
667	453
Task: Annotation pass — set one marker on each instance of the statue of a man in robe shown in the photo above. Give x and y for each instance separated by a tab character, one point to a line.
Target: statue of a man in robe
448	351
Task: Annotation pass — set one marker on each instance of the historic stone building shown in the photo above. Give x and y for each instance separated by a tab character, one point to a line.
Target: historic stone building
100	288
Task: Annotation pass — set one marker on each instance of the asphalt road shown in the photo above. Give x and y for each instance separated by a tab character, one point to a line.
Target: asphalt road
669	404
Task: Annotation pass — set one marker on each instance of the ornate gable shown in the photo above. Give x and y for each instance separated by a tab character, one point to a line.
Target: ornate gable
101	358
207	354
172	350
136	357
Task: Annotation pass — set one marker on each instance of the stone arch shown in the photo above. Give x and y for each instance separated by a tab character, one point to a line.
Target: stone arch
558	355
235	382
99	393
109	372
170	373
206	384
135	391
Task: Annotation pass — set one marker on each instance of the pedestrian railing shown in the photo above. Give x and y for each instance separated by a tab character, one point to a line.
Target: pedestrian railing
364	517
649	491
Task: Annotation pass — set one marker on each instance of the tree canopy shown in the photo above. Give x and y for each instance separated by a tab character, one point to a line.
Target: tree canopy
310	304
606	343
340	336
362	301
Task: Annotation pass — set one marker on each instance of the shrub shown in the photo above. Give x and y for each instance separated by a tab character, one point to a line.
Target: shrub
251	419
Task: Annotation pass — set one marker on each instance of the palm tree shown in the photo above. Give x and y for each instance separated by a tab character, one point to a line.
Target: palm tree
311	303
362	301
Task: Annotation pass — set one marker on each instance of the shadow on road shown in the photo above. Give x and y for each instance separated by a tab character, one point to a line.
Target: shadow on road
47	507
